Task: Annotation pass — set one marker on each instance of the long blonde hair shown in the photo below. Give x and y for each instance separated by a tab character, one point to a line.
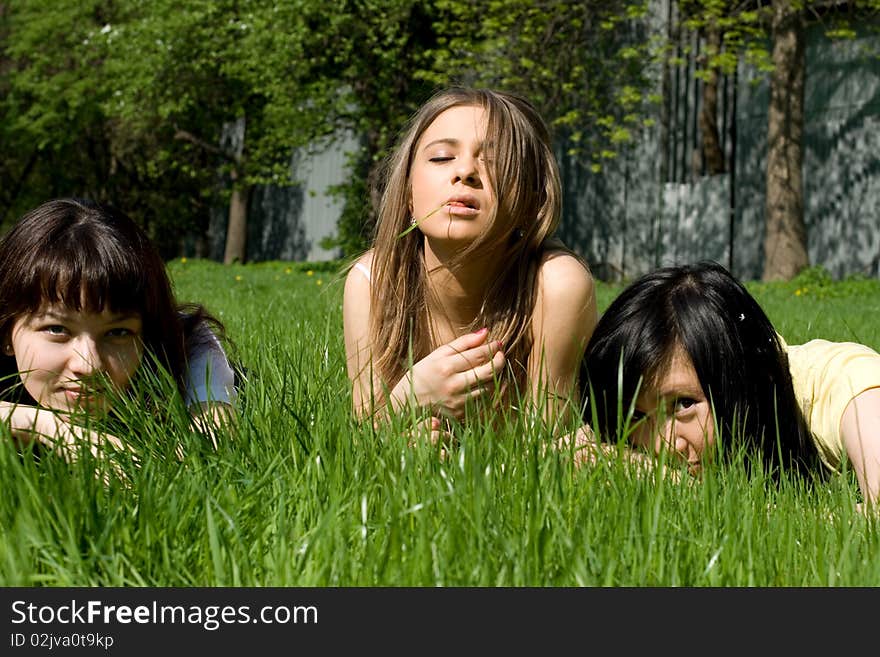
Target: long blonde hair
524	175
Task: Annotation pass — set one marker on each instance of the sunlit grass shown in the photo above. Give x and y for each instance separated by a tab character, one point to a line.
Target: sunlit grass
300	495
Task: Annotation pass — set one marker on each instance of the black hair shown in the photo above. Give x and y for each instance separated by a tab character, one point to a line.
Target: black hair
736	353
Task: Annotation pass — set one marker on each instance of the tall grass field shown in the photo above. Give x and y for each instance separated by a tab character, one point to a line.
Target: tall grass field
298	494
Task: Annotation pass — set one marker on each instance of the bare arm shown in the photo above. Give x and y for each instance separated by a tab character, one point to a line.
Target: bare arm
860	430
565	316
31	424
356	330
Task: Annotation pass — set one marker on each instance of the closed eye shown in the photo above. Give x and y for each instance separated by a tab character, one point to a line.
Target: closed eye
441	158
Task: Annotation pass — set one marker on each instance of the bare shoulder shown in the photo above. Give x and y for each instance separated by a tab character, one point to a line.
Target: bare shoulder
359	271
562	277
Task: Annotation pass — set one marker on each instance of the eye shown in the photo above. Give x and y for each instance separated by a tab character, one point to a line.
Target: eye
637	416
120	332
55	330
682	404
441	158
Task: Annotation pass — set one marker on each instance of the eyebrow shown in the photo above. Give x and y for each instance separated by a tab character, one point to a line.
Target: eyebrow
679	390
452	141
449	141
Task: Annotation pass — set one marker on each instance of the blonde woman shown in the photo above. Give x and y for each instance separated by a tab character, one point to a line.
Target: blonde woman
465	296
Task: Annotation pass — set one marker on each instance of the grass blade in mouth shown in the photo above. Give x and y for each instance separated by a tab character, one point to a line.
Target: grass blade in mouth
419	222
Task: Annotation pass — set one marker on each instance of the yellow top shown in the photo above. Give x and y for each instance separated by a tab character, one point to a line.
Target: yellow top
827	376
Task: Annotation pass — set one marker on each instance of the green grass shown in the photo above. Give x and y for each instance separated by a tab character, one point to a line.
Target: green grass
299	495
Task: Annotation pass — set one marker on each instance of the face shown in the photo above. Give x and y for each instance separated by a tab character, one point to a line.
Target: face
451	198
67	359
674	414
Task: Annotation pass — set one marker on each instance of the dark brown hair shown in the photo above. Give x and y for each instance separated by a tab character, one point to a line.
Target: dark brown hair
90	257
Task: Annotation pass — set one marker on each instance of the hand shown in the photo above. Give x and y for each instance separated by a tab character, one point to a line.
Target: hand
29	424
589	451
209	419
436	432
449	377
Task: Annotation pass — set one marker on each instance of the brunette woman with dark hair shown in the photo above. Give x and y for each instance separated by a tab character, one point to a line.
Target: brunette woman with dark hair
85	306
685	359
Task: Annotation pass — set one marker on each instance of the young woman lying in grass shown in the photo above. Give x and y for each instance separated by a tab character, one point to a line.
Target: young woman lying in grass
685	360
465	298
86	309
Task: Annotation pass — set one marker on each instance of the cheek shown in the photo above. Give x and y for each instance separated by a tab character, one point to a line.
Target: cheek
30	356
704	437
124	364
37	383
641	434
419	193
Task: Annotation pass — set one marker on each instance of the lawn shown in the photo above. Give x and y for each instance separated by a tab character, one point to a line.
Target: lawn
300	495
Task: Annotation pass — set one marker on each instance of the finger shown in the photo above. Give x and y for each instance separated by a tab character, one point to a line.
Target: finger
482	354
434	424
439	435
467	341
466	364
429	429
486	373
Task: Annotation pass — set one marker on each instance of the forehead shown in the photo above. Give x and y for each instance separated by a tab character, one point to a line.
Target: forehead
459	123
676	377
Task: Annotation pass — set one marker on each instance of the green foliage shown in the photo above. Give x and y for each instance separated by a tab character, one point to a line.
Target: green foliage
134	102
593	86
745	28
217	80
58	140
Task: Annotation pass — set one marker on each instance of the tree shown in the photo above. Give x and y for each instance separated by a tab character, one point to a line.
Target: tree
368	72
194	74
56	139
771	36
47	105
785	240
380	60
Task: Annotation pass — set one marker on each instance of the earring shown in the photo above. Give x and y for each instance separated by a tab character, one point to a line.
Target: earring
413	222
7	349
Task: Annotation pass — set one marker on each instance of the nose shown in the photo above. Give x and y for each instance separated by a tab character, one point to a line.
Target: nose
467	171
668	438
85	357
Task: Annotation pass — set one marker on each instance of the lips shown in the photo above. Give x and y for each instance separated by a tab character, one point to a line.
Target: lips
463	201
81	396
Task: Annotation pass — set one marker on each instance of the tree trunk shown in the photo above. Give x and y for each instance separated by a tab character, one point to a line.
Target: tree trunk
236	229
785	240
713	157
